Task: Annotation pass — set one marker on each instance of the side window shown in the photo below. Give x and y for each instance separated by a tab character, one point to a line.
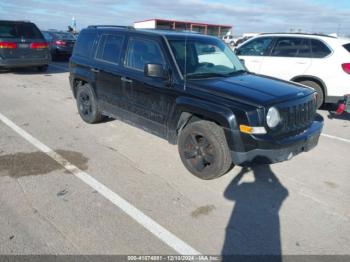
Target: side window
109	48
47	36
305	49
319	49
84	43
256	47
287	47
347	47
141	52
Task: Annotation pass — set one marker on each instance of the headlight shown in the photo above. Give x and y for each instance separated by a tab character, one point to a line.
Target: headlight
273	117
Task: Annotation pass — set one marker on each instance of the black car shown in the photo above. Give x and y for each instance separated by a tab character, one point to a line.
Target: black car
61	43
193	91
22	45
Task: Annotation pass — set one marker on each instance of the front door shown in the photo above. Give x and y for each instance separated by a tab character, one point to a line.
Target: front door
253	53
150	100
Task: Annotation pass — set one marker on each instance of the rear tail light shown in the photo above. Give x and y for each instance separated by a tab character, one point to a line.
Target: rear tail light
346	67
8	45
60	43
40	45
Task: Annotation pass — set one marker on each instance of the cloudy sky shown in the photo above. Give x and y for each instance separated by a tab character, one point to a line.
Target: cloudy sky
327	16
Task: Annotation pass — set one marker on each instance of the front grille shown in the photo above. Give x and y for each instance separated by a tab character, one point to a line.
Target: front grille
297	117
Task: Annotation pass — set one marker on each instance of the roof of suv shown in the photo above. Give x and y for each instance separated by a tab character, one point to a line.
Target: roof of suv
167	33
300	34
15	21
329	39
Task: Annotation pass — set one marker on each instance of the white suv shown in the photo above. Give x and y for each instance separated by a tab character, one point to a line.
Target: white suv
319	61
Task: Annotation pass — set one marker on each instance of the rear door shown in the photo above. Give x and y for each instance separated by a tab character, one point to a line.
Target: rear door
109	88
28	40
253	52
289	57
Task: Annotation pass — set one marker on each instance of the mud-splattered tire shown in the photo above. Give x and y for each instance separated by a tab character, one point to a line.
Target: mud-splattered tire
87	105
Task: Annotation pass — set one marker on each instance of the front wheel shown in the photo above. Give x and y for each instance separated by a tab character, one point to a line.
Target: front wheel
88	105
203	150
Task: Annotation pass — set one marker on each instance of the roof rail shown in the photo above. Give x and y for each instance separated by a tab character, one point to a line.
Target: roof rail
298	33
113	26
17	21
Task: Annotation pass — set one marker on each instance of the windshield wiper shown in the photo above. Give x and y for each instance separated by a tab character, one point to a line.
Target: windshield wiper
237	72
205	75
214	74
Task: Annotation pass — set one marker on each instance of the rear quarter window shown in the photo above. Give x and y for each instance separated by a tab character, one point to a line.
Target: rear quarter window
84	44
347	47
319	49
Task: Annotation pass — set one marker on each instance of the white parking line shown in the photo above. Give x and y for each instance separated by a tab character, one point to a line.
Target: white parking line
162	233
336	138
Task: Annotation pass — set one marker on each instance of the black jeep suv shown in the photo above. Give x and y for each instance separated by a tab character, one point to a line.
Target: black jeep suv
23	45
193	91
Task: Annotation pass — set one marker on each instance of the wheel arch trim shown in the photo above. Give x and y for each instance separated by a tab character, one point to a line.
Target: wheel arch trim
312	78
187	108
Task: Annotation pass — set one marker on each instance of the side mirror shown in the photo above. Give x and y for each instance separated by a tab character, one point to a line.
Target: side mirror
155	70
242	61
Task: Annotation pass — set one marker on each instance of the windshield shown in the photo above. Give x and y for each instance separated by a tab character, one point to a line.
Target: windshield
205	57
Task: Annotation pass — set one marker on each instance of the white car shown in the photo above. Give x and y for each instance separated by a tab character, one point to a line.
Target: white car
319	61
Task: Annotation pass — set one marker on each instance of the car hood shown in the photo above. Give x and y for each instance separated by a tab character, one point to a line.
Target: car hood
251	89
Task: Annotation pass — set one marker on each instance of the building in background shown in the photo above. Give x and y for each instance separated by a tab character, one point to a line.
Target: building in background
203	28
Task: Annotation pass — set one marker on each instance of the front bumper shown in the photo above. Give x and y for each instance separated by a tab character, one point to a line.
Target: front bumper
64	50
281	150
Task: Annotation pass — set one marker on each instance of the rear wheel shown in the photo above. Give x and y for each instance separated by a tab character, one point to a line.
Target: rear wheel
203	150
88	105
318	89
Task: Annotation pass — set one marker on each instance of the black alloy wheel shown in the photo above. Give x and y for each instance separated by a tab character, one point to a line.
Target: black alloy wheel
203	149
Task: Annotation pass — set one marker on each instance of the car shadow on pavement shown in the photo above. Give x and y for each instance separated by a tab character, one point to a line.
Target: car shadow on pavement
54	68
254	226
331	108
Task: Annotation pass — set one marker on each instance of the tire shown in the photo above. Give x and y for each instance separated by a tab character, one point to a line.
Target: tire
318	89
42	68
203	150
88	105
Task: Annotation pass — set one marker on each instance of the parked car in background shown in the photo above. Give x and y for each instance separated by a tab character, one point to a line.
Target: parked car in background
191	90
318	61
23	45
242	39
228	39
61	43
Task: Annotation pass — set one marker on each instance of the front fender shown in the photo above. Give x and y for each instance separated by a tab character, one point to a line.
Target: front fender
207	110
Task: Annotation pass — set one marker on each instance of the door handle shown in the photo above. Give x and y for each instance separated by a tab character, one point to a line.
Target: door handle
126	79
94	70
